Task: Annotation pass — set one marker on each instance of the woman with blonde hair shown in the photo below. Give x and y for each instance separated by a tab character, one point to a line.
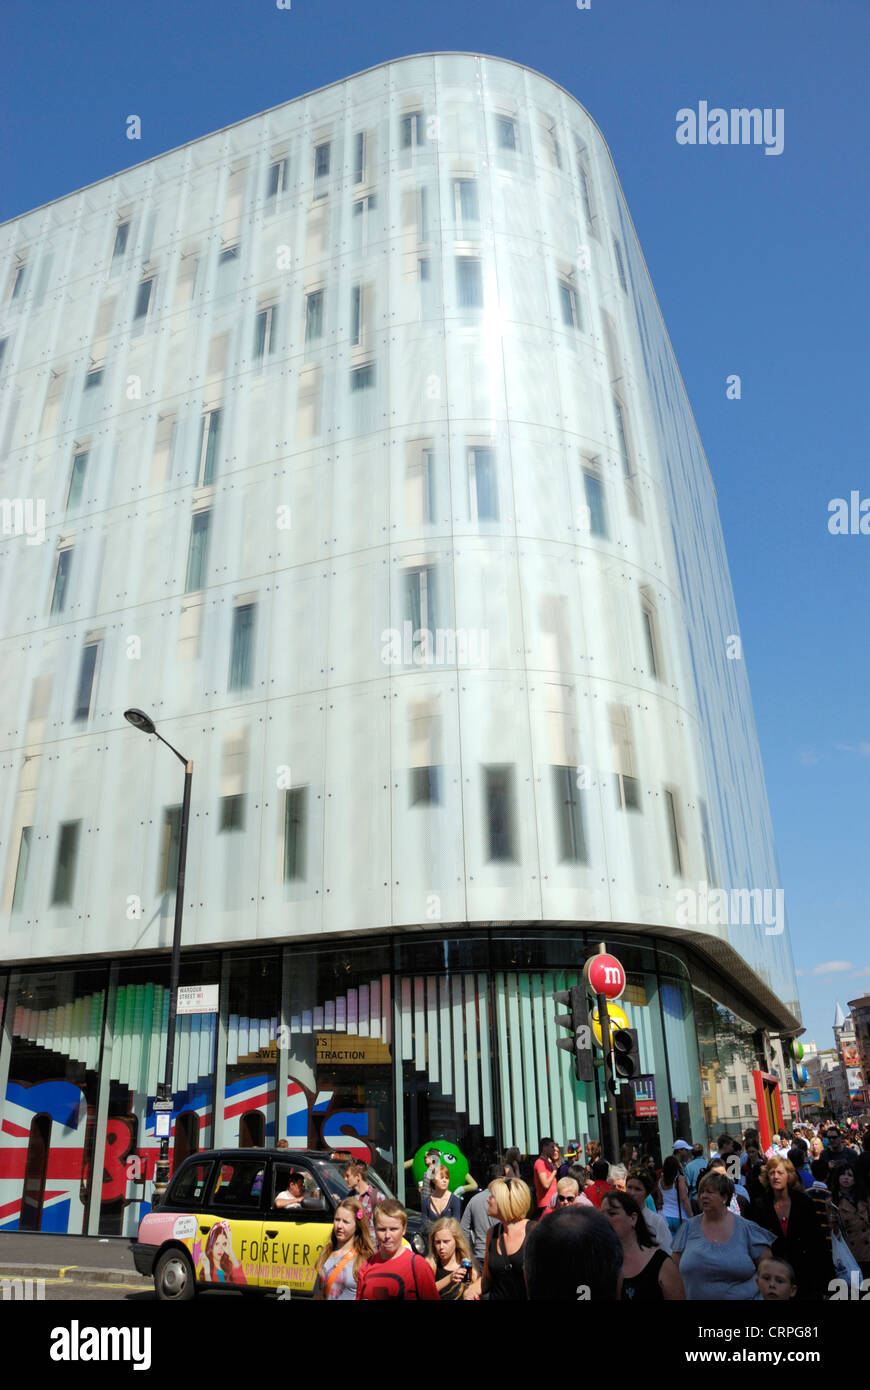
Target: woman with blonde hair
502	1278
348	1248
798	1236
450	1259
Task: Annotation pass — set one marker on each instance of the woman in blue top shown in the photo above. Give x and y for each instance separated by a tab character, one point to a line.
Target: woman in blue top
440	1200
717	1252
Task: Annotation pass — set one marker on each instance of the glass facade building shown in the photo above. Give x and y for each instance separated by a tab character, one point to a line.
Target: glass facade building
349	443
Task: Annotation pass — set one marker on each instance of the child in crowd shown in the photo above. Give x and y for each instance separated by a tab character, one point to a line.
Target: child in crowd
775	1280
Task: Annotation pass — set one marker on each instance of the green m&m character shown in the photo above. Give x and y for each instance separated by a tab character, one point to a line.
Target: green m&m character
455	1162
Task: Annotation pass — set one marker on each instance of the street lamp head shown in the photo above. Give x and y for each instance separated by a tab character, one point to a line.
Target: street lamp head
140	720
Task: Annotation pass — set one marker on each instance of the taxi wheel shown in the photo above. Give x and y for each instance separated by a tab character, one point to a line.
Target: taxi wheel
174	1280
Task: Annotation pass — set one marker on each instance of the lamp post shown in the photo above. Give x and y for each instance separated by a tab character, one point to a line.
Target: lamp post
140	720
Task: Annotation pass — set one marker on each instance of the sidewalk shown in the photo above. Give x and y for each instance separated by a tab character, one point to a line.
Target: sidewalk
88	1259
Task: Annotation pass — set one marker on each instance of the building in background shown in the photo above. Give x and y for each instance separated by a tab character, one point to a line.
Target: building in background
365	467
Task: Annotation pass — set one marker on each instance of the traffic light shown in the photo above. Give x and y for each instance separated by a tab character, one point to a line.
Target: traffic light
626	1057
580	1042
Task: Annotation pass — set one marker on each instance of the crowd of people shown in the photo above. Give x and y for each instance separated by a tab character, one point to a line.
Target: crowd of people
736	1224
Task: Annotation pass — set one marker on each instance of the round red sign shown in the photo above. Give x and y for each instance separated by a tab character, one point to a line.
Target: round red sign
605	975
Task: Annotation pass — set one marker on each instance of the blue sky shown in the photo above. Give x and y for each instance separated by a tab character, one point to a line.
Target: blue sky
759	264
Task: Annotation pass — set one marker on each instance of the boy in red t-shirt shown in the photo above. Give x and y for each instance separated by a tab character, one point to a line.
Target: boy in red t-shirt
596	1189
395	1271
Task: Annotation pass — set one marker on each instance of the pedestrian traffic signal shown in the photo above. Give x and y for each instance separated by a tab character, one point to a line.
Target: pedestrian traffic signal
580	1043
626	1057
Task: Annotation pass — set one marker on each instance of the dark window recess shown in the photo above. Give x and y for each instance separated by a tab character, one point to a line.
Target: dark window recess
87	671
241	675
295	802
425	786
65	865
501	835
233	812
169	849
572	840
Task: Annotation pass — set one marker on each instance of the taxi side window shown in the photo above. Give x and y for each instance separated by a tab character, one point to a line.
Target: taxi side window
238	1183
281	1175
192	1183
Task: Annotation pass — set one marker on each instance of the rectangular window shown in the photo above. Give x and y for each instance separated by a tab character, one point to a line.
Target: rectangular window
94	378
355	314
744	1083
241	675
60	588
732	1085
313	316
673	832
482	485
419	598
620	267
586	194
555	149
209	438
122	232
362	210
21	868
77	480
277	181
264	332
423	214
501	839
506	133
709	862
569	816
469	283
18	276
229	255
363	378
87	673
232	815
143	299
295	802
594	492
648	618
3	345
465	201
197	551
425	786
170	845
412	130
622	438
627	792
359	157
570	306
321	163
65	865
420	493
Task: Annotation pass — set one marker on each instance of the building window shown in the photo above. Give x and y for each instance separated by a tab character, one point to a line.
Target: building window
426	786
143	299
122	232
321	167
87	673
232	815
744	1082
622	438
60	587
65	865
501	847
585	192
362	209
627	792
94	378
709	863
465	201
277	181
506	132
419	599
555	149
593	489
295	801
313	316
209	437
570	304
420	487
241	676
197	551
264	332
673	832
77	480
650	632
229	254
355	314
359	157
362	378
411	130
622	752
3	345
569	815
469	283
620	267
21	867
170	845
18	277
482	487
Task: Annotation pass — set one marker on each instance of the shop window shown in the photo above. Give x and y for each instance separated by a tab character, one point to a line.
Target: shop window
35	1172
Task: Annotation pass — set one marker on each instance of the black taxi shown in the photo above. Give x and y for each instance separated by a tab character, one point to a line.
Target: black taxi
219	1225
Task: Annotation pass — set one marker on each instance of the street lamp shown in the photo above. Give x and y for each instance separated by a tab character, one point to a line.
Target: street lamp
140	720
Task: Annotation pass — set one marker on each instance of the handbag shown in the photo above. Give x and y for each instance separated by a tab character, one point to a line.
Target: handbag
844	1261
